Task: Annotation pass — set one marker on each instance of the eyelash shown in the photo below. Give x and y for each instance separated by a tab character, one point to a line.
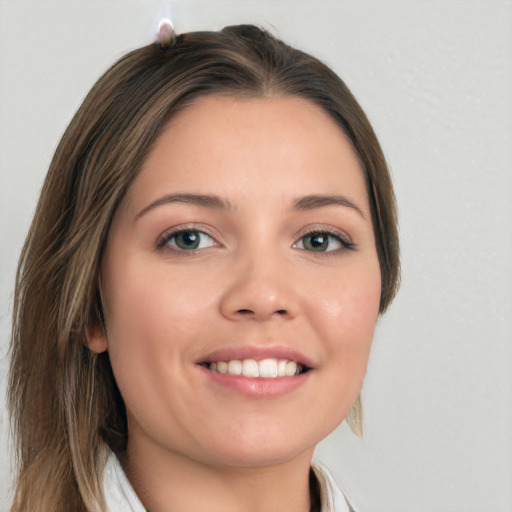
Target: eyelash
340	237
346	244
164	239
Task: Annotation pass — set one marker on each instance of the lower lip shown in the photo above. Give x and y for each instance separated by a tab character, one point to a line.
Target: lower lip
257	387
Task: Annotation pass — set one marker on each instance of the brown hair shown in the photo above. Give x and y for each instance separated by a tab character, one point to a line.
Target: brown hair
63	399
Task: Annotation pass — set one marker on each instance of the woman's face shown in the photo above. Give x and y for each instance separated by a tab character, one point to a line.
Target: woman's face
245	244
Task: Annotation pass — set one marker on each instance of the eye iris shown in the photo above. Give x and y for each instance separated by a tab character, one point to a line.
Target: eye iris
188	240
317	242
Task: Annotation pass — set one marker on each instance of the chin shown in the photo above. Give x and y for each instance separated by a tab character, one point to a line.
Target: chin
252	448
259	457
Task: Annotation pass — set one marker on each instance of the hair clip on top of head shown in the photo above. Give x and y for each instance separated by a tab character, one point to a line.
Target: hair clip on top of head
165	37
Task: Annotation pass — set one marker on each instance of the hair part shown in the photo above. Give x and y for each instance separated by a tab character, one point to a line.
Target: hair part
63	399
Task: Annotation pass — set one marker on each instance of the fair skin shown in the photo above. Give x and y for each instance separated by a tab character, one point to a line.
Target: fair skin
278	262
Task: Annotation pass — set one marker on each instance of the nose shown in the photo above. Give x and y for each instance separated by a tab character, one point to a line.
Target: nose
259	289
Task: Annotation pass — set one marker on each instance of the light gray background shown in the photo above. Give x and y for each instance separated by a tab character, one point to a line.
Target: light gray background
435	78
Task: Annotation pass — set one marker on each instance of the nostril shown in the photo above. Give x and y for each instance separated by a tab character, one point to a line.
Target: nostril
257	314
251	312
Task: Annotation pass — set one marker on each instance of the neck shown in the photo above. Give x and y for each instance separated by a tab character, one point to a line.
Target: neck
173	483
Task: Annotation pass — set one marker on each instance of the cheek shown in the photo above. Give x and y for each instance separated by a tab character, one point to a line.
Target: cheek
352	300
154	313
346	318
150	330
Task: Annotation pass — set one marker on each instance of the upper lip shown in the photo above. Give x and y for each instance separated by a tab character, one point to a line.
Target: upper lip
258	353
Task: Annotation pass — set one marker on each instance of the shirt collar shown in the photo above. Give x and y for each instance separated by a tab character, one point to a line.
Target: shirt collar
120	496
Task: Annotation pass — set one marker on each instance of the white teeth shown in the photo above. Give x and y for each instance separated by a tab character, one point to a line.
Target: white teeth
290	368
222	367
250	368
235	367
266	368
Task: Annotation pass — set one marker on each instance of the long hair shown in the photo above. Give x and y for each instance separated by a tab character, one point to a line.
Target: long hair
64	402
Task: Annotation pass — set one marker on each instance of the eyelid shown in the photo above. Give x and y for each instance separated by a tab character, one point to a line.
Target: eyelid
180	228
339	234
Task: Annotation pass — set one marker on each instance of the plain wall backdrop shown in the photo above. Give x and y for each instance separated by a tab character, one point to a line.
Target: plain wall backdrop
435	78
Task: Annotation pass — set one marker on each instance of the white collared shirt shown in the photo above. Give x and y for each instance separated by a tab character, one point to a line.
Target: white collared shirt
120	496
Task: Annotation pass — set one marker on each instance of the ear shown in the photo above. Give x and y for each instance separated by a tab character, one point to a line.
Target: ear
95	338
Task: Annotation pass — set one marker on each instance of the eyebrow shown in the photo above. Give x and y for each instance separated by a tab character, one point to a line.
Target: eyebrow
319	201
310	202
203	200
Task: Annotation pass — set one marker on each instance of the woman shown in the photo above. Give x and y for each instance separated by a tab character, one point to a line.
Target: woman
198	291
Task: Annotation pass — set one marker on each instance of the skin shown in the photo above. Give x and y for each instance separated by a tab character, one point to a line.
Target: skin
253	282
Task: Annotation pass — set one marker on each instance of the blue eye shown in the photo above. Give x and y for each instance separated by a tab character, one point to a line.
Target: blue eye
322	241
187	240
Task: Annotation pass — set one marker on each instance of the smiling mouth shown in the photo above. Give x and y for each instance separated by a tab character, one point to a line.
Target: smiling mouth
265	368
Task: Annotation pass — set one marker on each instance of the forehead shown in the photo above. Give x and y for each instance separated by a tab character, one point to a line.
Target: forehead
226	145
